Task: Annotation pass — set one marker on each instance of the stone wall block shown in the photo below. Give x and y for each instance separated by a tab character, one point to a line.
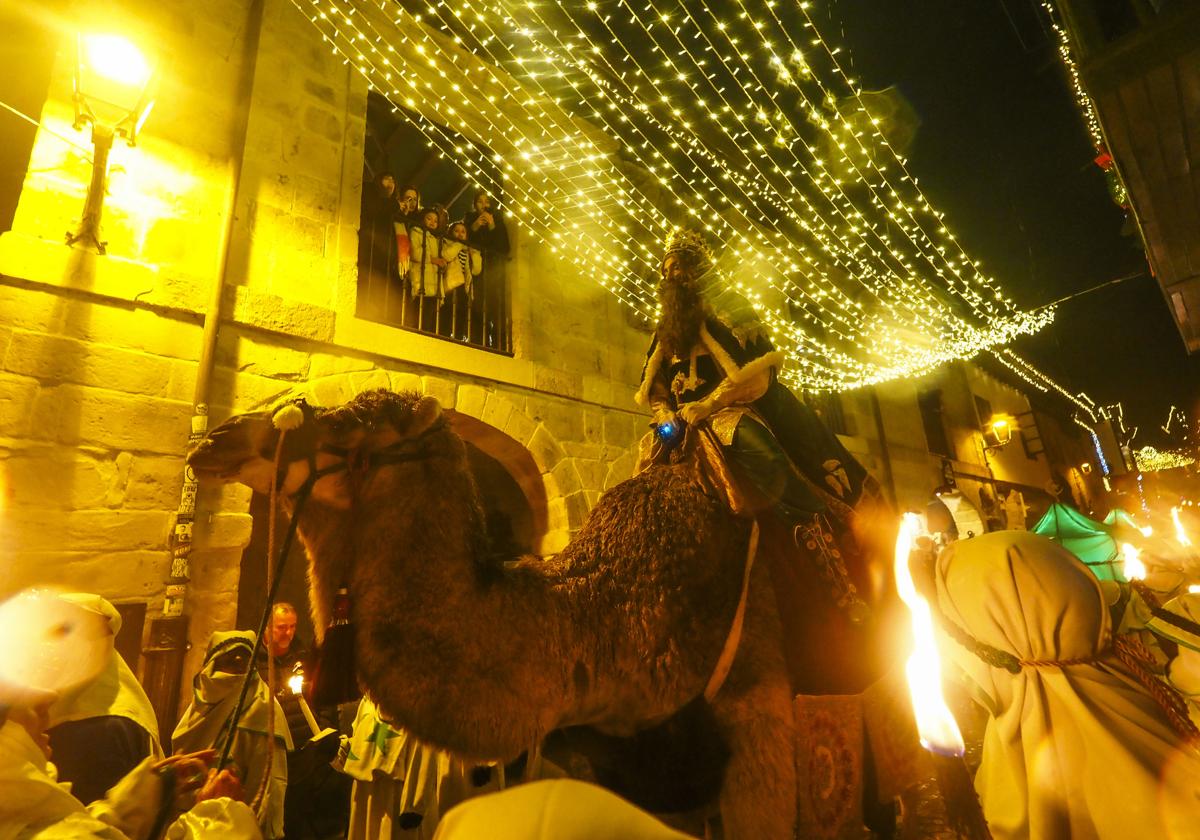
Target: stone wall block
117	575
330	391
562	382
328	364
323	123
400	381
316	198
545	449
591	473
84	530
29	310
49	477
262	358
471	400
154	482
73	414
496	411
16	398
245	391
223	530
577	509
317	89
117	473
563	419
56	359
597	389
519	427
371	381
557	518
618	431
566	477
445	390
593	426
619	470
588	451
291	317
138	330
312	154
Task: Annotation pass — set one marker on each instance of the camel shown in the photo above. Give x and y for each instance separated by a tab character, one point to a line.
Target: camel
484	655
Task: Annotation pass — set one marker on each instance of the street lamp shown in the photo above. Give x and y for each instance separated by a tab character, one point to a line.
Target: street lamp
112	93
998	432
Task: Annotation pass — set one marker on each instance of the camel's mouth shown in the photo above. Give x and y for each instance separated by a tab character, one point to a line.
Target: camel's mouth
229	447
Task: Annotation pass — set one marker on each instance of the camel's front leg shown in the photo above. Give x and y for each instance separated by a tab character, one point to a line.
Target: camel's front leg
754	709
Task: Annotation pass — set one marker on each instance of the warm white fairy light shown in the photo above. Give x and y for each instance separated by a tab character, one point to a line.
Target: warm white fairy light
565	186
1150	459
1086	107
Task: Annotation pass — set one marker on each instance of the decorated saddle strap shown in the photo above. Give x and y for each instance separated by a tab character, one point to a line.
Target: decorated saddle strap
725	662
817	537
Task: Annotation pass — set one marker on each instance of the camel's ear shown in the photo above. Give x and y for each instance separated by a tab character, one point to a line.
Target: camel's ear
427	412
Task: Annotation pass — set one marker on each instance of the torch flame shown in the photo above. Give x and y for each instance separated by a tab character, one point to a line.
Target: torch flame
1180	534
1135	569
936	725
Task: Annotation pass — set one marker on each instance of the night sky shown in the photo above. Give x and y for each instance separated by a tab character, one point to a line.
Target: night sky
1002	149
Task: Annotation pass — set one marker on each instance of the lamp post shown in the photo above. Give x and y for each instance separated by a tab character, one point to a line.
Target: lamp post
112	94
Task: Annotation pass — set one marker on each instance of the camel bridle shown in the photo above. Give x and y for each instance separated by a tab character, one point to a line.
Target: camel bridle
357	462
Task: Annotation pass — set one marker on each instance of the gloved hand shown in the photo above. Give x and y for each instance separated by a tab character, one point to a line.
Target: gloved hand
695	412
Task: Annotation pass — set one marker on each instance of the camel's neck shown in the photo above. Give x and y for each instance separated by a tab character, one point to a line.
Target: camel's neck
448	643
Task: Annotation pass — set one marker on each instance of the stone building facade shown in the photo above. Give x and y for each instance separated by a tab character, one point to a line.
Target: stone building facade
245	188
248	174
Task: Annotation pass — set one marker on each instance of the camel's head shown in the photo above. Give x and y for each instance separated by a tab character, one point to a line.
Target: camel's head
338	443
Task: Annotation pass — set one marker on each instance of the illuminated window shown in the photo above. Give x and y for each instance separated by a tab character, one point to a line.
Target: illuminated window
411	277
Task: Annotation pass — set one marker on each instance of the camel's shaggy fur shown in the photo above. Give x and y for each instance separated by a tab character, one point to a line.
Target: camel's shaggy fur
485	657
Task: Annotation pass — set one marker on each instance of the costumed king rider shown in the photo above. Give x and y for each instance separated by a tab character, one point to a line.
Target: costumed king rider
712	362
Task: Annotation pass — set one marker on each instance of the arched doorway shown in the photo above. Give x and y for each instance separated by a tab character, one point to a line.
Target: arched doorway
511	491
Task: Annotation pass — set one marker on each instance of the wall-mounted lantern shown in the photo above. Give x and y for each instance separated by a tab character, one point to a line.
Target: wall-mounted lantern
998	431
113	96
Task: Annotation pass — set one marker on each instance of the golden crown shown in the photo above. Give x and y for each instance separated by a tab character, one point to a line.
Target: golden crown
691	243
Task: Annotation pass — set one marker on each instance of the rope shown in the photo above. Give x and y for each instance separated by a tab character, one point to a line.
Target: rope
1133	652
260	798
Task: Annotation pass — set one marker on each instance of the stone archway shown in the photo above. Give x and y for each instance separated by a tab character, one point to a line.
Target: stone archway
519	465
497	426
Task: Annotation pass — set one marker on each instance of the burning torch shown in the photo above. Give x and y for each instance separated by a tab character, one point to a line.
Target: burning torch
936	725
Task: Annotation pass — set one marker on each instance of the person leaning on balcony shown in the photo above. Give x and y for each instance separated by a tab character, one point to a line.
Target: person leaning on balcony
463	261
487	229
409	203
105	727
1084	739
427	261
377	239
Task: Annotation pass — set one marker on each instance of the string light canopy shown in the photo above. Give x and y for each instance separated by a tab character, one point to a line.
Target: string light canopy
611	122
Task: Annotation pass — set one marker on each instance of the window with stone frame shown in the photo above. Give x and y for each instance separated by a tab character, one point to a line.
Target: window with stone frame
427	281
932	419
